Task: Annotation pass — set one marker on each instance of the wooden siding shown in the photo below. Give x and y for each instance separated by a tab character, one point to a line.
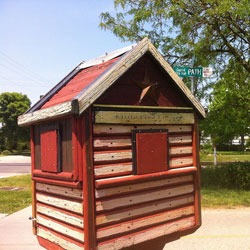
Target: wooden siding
113	148
137	210
60	217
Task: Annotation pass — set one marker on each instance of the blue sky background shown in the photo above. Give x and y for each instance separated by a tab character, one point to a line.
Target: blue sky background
43	40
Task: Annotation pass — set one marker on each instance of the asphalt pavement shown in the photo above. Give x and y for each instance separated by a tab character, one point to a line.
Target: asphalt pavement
14	165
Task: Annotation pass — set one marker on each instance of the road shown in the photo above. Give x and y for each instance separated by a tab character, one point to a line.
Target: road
15	168
14	165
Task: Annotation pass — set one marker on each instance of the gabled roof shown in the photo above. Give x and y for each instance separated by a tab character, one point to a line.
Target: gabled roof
88	81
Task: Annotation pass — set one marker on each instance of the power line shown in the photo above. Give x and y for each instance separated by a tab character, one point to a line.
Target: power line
23	67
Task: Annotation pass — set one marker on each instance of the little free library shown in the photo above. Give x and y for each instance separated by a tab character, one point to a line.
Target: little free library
115	155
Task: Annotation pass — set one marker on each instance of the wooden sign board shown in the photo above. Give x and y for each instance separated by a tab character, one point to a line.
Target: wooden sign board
132	117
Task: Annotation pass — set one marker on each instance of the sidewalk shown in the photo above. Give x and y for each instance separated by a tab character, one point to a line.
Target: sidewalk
227	229
16	232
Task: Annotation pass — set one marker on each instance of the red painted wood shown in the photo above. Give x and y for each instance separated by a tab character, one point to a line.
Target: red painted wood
196	160
126	92
152	153
61	176
88	183
148	229
65	225
142	178
79	149
49	151
52	246
48	244
143	217
32	148
58	182
75	149
78	83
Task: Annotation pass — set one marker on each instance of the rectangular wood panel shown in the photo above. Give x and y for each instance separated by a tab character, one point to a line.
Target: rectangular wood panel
60	215
152	233
107	170
102	129
57	239
123	117
145	221
143	197
60	228
142	186
112	156
151	152
49	151
145	209
61	191
61	203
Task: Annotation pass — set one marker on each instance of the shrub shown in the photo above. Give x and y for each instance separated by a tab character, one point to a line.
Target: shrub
233	175
6	152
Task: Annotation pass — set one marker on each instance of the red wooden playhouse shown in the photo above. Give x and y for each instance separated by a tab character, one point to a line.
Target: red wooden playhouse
115	155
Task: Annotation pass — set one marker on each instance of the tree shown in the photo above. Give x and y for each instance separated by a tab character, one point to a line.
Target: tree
11	106
213	30
229	111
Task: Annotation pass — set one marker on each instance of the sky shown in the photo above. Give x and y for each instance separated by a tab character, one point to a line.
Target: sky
41	41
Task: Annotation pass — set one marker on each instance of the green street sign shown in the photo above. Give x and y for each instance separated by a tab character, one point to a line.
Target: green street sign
188	71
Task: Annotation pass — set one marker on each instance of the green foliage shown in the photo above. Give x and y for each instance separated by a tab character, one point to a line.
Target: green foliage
234	176
6	152
11	106
228	115
213	30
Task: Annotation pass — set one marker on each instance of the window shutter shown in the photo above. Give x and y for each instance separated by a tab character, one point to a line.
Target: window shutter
150	151
49	151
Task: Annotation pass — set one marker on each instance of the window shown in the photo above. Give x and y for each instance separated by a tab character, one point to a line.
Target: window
150	150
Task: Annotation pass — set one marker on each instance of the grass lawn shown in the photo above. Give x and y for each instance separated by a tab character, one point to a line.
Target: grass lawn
223	156
224	198
15	200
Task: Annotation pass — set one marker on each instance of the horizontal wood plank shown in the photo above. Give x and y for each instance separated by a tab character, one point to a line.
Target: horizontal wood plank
143	197
180	150
73	206
180	139
113	169
63	216
140	211
112	129
62	242
58	227
112	142
63	191
145	221
141	186
181	161
112	156
125	117
148	234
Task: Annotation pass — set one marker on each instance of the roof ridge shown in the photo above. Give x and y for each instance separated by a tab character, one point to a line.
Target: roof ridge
106	57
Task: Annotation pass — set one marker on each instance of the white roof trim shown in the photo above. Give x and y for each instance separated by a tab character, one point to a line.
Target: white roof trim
106	57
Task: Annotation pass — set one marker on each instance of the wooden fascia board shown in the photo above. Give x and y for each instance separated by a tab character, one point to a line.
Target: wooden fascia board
156	54
63	109
97	88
